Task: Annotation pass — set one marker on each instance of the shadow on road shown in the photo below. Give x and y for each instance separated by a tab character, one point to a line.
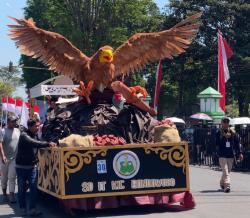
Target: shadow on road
211	191
125	211
13	206
56	209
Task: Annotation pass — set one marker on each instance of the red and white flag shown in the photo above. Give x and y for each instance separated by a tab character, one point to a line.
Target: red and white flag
36	108
157	85
224	53
19	105
4	103
11	105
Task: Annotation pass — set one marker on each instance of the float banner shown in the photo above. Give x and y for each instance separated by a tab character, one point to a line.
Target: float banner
114	170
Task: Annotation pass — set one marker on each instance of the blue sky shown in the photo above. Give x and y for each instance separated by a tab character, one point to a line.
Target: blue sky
7	47
8	50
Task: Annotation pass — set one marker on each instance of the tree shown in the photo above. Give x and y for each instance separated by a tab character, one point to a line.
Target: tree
197	68
10	79
90	24
6	89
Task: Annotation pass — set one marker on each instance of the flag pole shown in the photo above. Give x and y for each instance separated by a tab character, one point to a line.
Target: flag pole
2	117
15	106
157	85
224	54
6	115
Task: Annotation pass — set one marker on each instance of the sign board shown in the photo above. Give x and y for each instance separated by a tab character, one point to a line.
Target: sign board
114	170
52	90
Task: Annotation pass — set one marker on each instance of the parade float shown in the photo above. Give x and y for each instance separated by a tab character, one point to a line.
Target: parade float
112	151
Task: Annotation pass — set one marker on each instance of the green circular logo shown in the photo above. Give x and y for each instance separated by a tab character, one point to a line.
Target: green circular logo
126	164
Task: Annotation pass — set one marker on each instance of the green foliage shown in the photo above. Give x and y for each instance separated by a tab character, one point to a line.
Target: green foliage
232	109
197	68
6	89
9	79
10	75
90	24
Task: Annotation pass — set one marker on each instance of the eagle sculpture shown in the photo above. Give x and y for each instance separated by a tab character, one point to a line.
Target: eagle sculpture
101	69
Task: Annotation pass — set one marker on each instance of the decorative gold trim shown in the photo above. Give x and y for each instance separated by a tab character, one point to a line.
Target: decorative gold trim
175	155
75	160
122	146
125	193
70	160
50	192
187	167
49	173
62	179
107	194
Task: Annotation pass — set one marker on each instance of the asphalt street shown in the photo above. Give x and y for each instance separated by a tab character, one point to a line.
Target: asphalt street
211	203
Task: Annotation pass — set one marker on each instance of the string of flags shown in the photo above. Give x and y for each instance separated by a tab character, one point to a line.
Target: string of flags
15	105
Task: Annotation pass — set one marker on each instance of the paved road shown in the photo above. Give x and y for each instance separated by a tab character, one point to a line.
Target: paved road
204	185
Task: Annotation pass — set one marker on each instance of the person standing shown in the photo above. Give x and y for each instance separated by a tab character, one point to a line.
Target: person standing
9	137
26	166
229	149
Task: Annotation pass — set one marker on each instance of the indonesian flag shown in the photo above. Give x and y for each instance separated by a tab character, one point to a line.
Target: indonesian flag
11	107
19	105
224	53
4	103
157	85
36	108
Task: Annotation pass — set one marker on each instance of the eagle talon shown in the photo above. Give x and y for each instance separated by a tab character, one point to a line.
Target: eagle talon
129	93
84	91
139	89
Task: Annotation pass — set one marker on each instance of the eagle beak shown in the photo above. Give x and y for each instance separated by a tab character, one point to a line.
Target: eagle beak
106	56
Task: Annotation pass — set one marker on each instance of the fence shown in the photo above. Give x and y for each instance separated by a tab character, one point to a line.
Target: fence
202	149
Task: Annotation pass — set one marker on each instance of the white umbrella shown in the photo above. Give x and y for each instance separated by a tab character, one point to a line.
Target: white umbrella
240	121
176	120
201	116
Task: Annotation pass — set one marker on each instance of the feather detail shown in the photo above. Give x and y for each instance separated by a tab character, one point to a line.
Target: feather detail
143	48
52	49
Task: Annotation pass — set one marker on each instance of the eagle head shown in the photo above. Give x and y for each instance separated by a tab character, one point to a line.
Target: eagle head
106	54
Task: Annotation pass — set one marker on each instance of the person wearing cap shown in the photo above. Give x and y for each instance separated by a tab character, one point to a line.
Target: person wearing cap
229	149
9	137
26	166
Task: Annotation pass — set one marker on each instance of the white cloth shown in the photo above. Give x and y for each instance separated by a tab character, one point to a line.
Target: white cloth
9	139
226	167
24	116
8	174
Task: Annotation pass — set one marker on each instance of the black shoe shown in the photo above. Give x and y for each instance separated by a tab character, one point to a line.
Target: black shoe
5	199
35	213
227	190
23	212
12	200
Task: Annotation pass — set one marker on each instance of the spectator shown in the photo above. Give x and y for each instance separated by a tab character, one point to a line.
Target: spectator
9	137
228	144
36	116
52	108
26	166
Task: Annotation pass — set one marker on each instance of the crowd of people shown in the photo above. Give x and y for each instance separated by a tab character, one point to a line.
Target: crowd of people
18	153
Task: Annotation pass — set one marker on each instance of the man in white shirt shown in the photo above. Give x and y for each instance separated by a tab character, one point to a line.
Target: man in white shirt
9	137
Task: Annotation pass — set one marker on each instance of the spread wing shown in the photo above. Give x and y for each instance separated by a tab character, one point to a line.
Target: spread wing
52	49
143	48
